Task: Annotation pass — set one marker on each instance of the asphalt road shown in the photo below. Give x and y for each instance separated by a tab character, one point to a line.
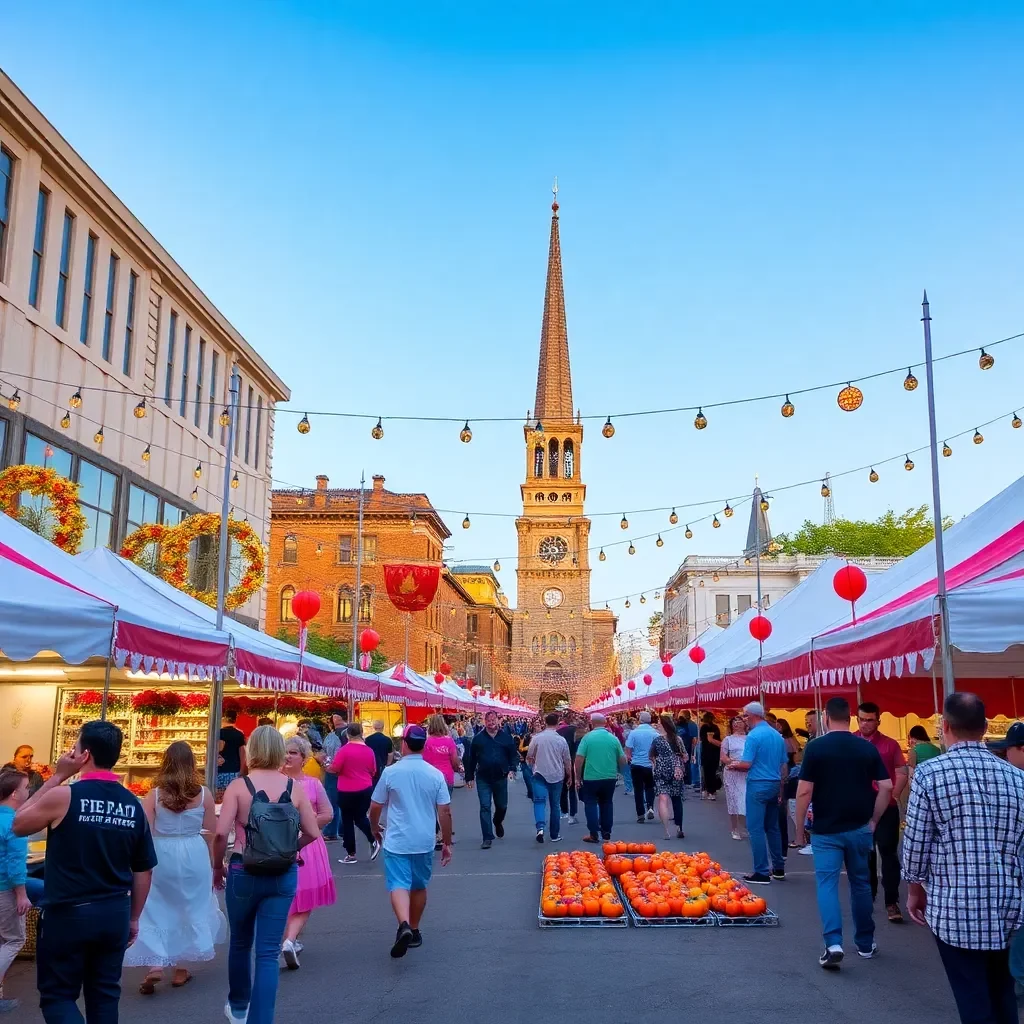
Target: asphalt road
484	958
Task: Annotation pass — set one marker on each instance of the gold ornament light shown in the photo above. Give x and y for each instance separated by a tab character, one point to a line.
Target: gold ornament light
497	566
728	510
624	522
850	399
303	425
195	493
1015	422
910	381
764	504
465	522
700	421
146	453
673	518
715	577
985	361
715	523
659	542
978	436
465	434
788	408
601	556
627	602
234	481
225	418
826	491
75	401
98	436
873	476
139	412
631	550
608	430
378	431
688	534
65	420
319	550
643	599
909	464
198	471
946	450
15	400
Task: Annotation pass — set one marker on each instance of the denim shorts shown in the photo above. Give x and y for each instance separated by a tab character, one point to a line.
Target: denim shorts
408	870
224	779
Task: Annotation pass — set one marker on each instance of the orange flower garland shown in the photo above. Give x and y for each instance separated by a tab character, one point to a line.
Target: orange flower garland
63	495
137	542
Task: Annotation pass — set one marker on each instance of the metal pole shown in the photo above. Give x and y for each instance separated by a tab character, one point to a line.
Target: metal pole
106	690
359	574
217	689
948	682
760	645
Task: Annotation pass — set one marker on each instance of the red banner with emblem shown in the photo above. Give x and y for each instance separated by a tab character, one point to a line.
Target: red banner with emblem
411	587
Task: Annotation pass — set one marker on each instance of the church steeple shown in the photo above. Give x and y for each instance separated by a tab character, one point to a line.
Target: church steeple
554	377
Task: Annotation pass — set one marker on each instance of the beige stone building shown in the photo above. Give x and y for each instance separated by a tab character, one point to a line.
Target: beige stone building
96	318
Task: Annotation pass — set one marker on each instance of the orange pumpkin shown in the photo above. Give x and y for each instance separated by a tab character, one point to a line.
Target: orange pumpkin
753	906
611	908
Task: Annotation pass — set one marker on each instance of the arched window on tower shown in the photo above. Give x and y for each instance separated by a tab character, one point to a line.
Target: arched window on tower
538	461
568	459
535	646
556	643
343	612
572	645
553	458
287	615
366	604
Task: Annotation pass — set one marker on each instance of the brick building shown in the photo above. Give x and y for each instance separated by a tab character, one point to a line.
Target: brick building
478	646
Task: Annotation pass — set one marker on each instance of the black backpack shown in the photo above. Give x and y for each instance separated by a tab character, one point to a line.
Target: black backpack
271	833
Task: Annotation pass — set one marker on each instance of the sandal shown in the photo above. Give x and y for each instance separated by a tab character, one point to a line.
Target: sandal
149	984
181	982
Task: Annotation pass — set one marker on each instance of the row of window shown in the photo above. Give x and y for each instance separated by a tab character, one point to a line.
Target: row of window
343	604
567	461
553	643
346	552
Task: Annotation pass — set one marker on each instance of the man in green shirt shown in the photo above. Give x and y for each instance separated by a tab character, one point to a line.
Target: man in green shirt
598	759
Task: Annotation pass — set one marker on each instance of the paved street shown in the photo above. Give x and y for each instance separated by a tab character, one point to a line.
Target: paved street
485	959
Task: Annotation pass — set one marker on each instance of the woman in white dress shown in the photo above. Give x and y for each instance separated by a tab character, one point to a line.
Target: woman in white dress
735	782
182	921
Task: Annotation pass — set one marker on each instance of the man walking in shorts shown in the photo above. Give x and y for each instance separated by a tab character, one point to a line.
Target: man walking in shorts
414	793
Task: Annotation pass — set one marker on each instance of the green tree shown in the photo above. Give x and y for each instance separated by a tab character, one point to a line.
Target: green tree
329	647
889	536
655	629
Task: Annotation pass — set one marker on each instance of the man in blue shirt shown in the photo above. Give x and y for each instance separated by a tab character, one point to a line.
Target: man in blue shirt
764	761
638	754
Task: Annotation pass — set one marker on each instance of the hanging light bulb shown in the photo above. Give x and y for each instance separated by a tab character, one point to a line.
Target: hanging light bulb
631	550
378	431
198	471
764	503
701	584
700	421
65	420
910	381
715	523
146	453
788	408
946	450
195	493
985	361
601	556
825	489
627	602
234	480
978	436
319	550
526	614
624	522
688	534
303	425
909	464
608	430
728	511
657	595
465	522
1015	422
15	400
873	476
660	543
465	434
643	599
673	518
225	418
746	561
572	613
497	566
715	577
75	401
98	436
850	399
139	412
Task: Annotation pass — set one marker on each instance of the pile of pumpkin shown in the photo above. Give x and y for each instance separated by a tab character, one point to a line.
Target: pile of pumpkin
577	884
678	884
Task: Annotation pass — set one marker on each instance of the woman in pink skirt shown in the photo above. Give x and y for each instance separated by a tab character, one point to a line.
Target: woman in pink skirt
316	883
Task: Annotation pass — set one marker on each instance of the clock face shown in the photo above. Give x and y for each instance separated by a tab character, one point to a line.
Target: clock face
552	597
553	549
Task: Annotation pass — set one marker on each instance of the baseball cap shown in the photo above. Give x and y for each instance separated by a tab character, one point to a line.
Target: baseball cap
416	733
1014	738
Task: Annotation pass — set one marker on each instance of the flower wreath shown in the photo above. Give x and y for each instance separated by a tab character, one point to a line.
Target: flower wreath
174	557
63	495
137	542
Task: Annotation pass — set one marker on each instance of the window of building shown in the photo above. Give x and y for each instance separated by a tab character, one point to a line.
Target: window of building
742	603
129	324
259	428
369	547
572	645
366	605
214	361
472	625
345	549
568	459
535	645
291	549
248	421
97	496
38	244
186	346
6	188
172	337
766	600
553	458
65	268
238	427
200	366
538	461
143	507
88	288
41	453
3	441
343	612
108	316
539	496
566	495
287	615
722	616
172	515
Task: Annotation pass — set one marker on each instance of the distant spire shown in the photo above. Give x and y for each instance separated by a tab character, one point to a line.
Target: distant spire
554	377
759	533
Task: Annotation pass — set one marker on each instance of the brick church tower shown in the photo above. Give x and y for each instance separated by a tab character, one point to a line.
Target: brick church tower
561	647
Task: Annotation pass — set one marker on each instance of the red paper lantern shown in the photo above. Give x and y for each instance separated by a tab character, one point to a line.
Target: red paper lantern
305	605
667	670
631	685
369	639
618	691
850	583
438	678
697	654
445	669
666	656
648	680
760	628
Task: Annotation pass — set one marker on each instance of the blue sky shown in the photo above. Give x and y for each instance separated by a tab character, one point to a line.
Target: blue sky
752	201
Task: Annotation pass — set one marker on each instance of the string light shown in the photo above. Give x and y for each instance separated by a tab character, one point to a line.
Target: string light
15	400
764	503
624	522
601	556
659	542
873	476
627	602
497	566
825	489
319	550
608	430
715	523
1015	422
700	421
910	381
985	361
946	450
909	464
688	534
195	493
225	418
98	436
465	522
715	577
643	599
75	401
465	434
788	408
850	399
139	412
234	480
727	511
65	420
146	454
673	518
978	436
378	431
303	425
198	471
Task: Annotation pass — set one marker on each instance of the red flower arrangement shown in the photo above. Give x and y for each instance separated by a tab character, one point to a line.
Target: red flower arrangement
195	701
287	704
87	699
63	495
157	702
141	787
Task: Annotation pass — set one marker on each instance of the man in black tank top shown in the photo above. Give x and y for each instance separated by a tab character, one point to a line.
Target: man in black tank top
99	863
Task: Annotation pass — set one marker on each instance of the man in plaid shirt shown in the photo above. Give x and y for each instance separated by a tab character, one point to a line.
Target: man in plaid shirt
963	857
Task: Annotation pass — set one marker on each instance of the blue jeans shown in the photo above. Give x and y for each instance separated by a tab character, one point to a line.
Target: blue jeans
763	826
1017	957
79	950
831	852
488	790
552	793
34	890
331	829
627	780
528	779
597	797
257	907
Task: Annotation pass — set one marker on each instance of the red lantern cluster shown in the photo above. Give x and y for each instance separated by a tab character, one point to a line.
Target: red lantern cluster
697	654
305	605
760	628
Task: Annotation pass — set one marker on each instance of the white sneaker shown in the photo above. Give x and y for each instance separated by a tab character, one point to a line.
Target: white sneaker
571	820
290	954
348	860
299	947
806	851
650	815
736	835
229	1013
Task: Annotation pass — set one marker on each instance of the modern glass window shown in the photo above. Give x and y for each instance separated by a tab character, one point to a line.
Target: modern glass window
214	361
88	288
108	316
287	615
369	548
41	453
343	612
248	422
97	494
187	344
129	326
3	439
172	337
345	550
200	366
63	279
742	603
38	244
366	605
291	549
259	430
143	508
6	189
172	515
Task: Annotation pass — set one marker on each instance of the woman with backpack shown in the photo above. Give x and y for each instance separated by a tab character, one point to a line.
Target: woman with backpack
272	819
